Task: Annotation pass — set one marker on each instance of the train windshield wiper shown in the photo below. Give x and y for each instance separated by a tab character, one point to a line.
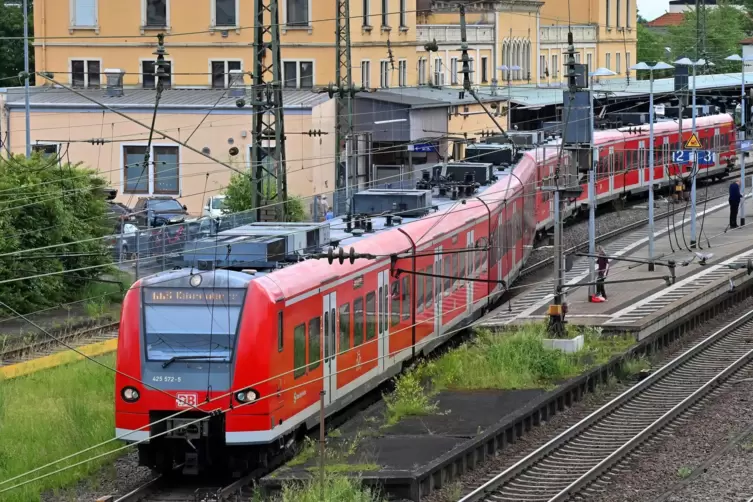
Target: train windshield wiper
190	358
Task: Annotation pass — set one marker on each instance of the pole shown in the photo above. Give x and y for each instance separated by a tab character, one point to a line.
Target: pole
742	152
592	203
694	172
26	79
509	101
322	442
651	172
347	173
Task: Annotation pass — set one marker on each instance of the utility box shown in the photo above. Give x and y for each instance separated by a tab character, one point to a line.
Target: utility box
576	113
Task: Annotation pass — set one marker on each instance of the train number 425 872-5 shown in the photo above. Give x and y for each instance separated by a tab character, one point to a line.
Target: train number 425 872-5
166	378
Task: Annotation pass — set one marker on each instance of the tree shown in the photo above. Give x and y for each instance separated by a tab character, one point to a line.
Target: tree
12	46
59	210
650	50
239	193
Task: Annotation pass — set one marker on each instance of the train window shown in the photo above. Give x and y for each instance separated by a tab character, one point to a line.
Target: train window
327	331
447	273
279	332
463	263
344	327
395	313
406	297
358	323
370	316
455	269
429	286
299	350
382	308
420	293
315	342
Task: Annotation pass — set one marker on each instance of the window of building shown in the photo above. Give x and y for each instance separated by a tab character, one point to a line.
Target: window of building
577	57
627	14
454	71
156	13
609	61
617	65
384	74
298	74
471	69
221	73
484	69
627	62
555	66
542	66
148	79
46	149
358	322
403	15
609	11
84	13
225	12
366	73
438	72
402	71
299	351
618	13
589	62
315	347
385	12
371	316
366	11
161	176
297	12
85	73
344	327
422	71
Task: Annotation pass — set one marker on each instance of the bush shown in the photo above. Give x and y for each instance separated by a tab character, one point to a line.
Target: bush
59	210
240	197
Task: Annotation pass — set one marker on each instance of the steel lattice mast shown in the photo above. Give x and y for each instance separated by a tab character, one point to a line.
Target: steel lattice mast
344	101
268	147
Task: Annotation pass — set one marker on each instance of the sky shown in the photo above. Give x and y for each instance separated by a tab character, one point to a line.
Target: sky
651	9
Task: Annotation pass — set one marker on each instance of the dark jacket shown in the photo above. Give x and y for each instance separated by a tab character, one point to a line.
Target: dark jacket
734	192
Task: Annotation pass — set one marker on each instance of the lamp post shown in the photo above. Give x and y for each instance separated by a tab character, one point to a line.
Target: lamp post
658	66
694	171
26	78
509	70
741	132
598	72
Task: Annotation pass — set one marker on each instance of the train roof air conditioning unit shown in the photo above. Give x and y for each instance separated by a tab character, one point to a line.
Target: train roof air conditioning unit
410	203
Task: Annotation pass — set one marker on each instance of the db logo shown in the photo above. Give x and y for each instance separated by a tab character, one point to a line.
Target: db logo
186	399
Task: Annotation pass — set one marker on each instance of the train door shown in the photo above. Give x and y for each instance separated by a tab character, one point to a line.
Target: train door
500	249
643	176
612	174
470	259
330	350
438	297
383	307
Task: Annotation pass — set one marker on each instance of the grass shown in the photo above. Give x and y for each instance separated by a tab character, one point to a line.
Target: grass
49	415
336	460
103	297
337	488
498	360
684	471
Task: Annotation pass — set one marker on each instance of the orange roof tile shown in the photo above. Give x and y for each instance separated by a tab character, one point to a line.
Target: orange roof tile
667	19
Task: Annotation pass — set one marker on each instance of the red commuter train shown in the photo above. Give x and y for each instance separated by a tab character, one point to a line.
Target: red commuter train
261	345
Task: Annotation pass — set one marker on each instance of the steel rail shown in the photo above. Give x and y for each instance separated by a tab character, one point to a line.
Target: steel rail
568	482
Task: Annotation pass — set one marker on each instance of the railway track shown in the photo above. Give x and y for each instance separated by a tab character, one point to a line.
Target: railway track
49	346
581	459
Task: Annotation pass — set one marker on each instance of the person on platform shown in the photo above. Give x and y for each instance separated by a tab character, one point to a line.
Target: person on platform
734	203
603	264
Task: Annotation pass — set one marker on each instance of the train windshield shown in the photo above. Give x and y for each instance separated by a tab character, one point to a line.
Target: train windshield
183	322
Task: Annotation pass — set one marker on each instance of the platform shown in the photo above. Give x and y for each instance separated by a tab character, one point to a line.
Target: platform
645	307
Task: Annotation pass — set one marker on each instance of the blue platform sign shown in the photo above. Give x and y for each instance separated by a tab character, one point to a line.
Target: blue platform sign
705	157
745	145
422	147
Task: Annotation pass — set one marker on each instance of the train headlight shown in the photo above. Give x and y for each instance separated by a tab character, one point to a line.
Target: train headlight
246	396
195	280
130	394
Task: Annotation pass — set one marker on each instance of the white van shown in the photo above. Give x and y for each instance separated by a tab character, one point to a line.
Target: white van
215	206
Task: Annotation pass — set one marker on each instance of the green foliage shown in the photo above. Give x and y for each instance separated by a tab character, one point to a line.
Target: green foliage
337	488
49	415
12	47
61	209
684	471
651	49
499	360
240	197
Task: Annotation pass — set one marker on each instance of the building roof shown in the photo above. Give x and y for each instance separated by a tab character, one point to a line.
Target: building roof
177	99
533	97
429	97
667	19
691	2
746	41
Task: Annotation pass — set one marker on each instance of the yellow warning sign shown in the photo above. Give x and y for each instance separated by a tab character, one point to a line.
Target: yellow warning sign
693	142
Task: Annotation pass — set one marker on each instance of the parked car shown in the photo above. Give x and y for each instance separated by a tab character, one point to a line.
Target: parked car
117	214
215	206
162	211
123	244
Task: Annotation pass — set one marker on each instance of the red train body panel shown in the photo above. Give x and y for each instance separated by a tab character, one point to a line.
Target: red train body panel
191	341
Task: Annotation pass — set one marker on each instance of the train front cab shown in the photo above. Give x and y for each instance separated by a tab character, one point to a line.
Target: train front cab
179	341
